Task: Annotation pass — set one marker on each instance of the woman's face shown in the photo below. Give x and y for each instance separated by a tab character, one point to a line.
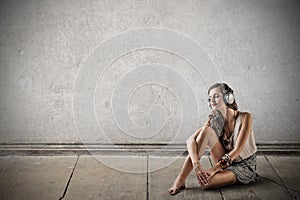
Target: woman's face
216	99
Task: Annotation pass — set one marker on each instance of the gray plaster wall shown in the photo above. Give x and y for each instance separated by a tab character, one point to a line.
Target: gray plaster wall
138	71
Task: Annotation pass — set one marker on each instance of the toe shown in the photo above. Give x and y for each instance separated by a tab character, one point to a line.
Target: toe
173	191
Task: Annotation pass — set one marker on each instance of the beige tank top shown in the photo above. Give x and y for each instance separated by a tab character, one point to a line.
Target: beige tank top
250	146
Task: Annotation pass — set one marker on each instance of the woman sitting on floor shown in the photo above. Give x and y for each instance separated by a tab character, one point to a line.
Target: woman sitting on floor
229	136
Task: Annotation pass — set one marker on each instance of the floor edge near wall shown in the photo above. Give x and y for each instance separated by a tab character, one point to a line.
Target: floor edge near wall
288	147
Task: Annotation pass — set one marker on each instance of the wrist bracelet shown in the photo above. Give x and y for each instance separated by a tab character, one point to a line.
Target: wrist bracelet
225	161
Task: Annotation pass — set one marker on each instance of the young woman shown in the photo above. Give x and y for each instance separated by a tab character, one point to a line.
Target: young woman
229	136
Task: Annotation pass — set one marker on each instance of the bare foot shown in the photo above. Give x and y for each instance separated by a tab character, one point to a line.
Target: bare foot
175	189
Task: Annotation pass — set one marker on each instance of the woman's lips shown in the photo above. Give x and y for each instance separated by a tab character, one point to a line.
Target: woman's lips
213	104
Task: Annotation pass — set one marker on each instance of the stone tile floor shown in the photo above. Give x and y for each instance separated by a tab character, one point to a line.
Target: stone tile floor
134	177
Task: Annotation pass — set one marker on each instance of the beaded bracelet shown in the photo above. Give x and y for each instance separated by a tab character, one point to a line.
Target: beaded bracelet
225	161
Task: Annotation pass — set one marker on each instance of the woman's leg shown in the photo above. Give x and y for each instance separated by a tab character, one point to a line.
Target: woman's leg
179	183
221	178
216	148
206	138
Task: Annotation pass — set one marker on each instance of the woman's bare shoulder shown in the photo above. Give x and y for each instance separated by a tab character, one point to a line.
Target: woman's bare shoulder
246	116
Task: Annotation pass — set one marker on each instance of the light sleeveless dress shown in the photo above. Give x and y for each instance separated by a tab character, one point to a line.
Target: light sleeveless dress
244	166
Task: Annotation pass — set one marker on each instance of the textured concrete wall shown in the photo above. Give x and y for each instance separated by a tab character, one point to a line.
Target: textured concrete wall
94	71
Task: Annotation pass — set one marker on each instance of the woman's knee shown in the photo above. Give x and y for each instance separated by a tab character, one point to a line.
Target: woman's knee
204	134
221	179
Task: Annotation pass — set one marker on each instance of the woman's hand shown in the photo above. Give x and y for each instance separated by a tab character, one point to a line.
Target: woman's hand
202	176
212	171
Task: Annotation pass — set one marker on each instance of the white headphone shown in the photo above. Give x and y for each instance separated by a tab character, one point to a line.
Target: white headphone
228	99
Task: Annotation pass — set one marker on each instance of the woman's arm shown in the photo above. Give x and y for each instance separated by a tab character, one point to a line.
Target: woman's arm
243	135
240	143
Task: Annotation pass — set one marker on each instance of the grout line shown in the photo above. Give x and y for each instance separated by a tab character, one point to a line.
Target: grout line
220	190
279	177
147	177
222	195
68	183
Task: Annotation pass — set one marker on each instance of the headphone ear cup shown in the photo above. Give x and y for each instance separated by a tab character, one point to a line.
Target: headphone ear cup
229	98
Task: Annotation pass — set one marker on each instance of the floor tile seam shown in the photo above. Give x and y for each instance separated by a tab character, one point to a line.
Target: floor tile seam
69	180
282	182
147	174
220	190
